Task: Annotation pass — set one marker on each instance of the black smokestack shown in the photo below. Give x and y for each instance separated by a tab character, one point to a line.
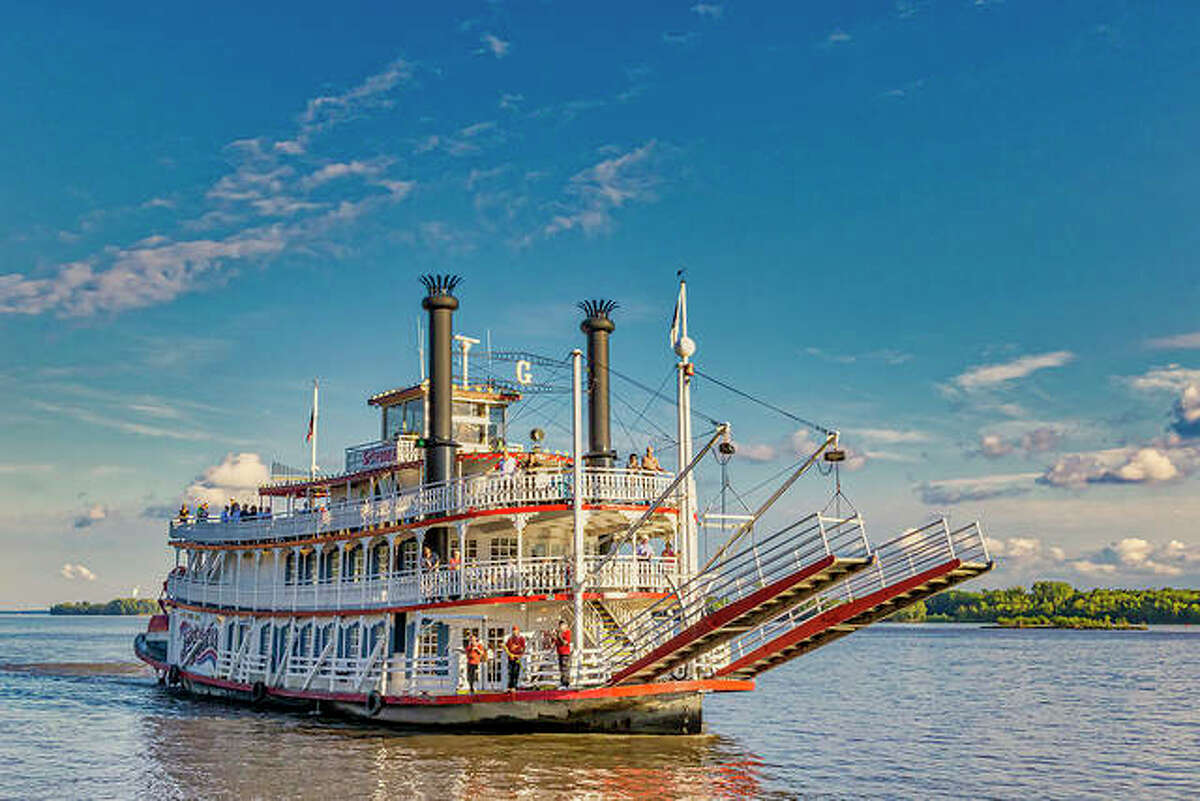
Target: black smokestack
597	325
439	447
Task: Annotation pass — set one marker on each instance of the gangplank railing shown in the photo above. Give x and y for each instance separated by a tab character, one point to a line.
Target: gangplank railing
757	566
913	553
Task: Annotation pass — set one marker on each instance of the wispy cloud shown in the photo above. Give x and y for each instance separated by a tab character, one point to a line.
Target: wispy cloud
680	37
957	490
891	436
495	45
1180	341
252	202
838	36
709	10
598	191
20	469
885	355
127	426
991	375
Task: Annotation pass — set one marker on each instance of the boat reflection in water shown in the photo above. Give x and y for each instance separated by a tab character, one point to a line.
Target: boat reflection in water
213	752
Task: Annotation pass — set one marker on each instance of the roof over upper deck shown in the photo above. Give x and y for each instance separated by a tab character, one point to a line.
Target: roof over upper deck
391	397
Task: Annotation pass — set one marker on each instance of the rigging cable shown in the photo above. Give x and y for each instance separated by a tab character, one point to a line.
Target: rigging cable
767	404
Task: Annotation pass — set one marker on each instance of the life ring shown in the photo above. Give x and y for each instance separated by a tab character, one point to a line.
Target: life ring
374	703
173	675
258	692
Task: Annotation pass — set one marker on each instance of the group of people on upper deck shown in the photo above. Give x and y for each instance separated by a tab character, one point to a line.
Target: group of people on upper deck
649	462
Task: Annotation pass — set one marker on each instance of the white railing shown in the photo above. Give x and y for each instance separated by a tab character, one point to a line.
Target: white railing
425	675
473	493
528	576
904	557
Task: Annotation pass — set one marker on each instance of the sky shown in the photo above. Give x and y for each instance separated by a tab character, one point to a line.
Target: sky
961	232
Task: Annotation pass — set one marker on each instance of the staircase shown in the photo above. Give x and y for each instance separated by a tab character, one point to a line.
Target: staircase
753	587
609	631
917	564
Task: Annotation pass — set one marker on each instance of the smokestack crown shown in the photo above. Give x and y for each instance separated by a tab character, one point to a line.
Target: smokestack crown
440	291
597	312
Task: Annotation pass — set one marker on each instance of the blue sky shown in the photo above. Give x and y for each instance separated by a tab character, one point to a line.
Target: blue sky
961	232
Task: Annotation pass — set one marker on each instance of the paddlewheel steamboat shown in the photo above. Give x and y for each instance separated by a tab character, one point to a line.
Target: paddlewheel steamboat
369	593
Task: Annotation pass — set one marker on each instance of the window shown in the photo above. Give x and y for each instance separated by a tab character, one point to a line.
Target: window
408	555
495	642
329	564
427	643
472	554
503	548
353	567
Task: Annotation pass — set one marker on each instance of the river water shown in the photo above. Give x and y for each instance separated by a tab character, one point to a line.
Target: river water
895	711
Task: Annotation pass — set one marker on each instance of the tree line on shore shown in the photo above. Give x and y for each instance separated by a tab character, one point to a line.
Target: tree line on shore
117	606
1057	599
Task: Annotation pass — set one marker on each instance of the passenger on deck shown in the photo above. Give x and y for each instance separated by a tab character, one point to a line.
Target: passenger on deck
668	553
633	463
643	549
225	514
429	560
514	646
508	465
562	646
183	512
202	513
455	562
235	512
476	653
649	462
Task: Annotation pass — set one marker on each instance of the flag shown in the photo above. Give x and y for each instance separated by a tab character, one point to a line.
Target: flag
679	318
311	422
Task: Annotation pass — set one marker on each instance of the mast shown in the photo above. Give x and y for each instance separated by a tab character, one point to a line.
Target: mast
684	348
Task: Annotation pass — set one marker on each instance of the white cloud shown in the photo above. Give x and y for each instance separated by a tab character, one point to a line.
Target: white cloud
605	187
957	490
1136	556
495	45
1180	341
72	572
891	436
127	426
760	452
19	469
990	375
237	476
1173	378
838	36
331	172
709	10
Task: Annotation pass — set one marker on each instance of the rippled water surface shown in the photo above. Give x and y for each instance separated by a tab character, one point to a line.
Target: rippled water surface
891	712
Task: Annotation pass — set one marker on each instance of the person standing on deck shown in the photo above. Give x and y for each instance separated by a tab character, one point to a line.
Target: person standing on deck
514	646
562	645
475	656
650	461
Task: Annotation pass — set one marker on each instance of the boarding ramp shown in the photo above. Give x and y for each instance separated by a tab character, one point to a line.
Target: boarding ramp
743	591
917	564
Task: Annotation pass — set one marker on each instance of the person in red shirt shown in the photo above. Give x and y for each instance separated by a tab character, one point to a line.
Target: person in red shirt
476	653
562	645
514	646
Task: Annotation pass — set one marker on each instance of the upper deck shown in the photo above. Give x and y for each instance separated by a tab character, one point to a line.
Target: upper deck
427	505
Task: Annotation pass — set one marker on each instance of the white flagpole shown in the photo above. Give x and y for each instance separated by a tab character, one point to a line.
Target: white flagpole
313	466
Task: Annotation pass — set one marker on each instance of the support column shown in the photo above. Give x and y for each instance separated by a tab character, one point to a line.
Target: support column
577	510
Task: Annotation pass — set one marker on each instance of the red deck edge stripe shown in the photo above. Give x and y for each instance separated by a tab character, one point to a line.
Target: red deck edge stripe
723	617
380	610
835	616
438	521
627	691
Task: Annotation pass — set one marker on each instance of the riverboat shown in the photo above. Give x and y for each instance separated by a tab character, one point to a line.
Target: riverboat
361	593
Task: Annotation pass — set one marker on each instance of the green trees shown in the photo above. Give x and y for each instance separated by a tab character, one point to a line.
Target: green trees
1058	599
117	606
